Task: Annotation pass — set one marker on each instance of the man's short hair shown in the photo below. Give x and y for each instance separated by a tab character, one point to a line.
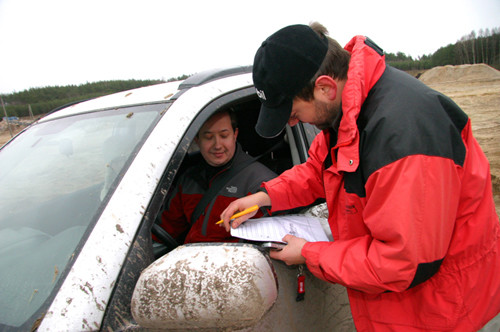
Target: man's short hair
335	64
229	111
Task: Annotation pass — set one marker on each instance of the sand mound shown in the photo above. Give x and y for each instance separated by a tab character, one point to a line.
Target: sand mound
462	73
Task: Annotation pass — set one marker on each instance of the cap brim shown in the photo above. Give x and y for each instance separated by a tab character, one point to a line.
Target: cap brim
273	120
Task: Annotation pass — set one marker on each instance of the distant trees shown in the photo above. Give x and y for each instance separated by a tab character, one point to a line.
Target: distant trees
481	47
179	78
43	100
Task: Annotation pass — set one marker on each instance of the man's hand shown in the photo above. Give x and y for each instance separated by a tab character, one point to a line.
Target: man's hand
292	253
260	199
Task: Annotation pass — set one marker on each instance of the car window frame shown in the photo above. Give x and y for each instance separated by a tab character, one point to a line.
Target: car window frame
118	310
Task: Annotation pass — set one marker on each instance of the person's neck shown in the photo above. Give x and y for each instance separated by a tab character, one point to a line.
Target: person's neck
211	171
336	122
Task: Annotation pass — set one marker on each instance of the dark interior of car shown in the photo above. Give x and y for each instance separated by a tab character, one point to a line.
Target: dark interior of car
279	159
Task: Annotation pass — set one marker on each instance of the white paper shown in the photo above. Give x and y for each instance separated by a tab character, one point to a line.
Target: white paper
275	228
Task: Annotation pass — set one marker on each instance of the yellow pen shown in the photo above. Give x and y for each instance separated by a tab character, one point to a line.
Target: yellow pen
239	214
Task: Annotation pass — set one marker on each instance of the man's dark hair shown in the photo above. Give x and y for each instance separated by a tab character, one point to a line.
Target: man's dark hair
335	64
228	111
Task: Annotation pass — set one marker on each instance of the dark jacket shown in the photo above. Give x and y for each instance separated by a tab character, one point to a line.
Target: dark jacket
191	187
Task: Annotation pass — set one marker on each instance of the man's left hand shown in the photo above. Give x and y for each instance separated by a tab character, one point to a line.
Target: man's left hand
291	253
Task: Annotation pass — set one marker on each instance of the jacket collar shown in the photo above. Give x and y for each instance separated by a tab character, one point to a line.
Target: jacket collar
365	68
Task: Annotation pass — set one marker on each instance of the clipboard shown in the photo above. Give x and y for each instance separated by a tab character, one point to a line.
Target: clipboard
273	229
273	245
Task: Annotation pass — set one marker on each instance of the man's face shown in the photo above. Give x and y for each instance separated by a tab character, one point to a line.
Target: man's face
316	112
217	140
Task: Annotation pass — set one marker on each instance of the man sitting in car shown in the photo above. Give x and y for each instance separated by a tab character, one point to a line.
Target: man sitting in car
221	153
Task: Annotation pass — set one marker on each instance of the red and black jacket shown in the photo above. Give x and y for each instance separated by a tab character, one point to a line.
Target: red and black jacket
410	204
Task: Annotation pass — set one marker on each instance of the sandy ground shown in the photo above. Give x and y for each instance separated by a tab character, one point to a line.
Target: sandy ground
5	133
475	88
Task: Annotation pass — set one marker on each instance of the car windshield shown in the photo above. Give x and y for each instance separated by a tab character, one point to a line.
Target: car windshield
54	180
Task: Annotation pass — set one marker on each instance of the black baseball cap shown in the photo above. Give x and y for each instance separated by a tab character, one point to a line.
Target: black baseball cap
283	65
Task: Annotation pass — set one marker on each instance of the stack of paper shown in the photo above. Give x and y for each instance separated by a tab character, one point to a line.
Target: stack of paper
275	228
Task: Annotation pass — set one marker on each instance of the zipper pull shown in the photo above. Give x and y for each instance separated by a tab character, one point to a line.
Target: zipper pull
301	283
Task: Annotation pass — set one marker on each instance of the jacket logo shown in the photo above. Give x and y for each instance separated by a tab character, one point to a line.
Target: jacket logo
350	209
261	94
232	189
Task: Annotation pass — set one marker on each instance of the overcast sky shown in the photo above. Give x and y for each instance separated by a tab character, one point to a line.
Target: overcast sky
61	42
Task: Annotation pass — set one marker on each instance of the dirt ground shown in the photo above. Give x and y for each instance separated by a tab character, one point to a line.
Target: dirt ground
475	88
5	133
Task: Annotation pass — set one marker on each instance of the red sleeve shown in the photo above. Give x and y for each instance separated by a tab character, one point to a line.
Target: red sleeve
174	219
410	215
301	185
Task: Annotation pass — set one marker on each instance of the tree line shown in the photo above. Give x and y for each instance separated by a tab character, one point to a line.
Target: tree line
481	47
44	100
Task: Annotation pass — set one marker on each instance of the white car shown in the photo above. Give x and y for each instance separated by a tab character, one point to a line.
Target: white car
80	190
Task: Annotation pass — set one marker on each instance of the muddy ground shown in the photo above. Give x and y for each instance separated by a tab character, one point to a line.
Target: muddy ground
475	88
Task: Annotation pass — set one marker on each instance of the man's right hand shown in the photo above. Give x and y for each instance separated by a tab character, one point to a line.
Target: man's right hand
260	199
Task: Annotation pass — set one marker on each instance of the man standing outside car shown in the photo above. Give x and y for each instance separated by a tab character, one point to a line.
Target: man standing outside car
408	189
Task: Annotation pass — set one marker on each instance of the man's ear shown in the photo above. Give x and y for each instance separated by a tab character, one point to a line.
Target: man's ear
236	133
326	87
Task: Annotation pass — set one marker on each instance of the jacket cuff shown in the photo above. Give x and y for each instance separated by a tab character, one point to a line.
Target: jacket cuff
266	210
311	252
263	189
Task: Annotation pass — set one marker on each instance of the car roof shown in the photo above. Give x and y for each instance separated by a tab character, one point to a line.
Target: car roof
152	94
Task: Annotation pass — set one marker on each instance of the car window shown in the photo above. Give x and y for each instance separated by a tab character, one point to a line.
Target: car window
54	178
275	153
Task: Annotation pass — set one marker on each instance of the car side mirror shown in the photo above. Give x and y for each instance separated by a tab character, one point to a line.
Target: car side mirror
206	285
